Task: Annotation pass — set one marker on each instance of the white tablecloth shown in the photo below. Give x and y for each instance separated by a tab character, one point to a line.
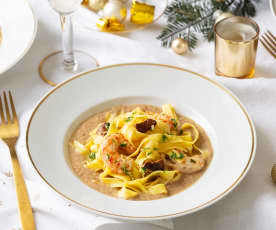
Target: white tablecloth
250	206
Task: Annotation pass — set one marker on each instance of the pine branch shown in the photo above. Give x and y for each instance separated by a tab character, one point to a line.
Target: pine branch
188	26
188	18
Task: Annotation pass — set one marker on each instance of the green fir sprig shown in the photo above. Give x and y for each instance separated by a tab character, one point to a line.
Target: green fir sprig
188	19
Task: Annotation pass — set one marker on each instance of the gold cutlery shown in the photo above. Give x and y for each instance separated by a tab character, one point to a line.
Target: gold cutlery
9	132
269	42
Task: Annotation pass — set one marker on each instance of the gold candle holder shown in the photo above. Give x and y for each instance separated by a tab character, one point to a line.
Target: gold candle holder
236	41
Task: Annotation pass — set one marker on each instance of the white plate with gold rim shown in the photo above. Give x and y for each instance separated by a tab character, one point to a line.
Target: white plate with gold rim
18	28
211	105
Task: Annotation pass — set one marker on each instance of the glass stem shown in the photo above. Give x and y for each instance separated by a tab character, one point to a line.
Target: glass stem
67	42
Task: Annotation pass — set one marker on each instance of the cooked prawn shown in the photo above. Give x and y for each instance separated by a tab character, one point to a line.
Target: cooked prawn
192	164
114	150
187	164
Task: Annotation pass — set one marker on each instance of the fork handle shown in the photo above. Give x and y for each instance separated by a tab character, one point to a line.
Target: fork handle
24	205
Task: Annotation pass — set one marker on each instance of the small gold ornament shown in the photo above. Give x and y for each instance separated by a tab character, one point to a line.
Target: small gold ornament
110	25
141	13
179	46
273	173
115	9
223	15
96	5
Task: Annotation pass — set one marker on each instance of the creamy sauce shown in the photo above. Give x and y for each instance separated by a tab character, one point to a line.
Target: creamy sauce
91	178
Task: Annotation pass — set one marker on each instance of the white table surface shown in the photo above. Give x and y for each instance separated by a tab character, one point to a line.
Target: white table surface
252	205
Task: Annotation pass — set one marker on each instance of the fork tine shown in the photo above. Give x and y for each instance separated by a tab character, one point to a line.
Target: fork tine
269	44
267	48
7	108
271	35
268	36
12	107
2	112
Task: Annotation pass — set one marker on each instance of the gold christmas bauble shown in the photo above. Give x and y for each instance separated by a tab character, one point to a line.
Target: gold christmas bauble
179	46
96	5
115	9
224	15
273	173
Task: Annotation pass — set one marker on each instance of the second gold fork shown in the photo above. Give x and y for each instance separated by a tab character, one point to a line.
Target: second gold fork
269	42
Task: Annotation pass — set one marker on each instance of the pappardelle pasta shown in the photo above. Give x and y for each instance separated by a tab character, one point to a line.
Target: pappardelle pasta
142	152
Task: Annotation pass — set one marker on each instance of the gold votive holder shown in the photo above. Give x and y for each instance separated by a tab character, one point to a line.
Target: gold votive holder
236	41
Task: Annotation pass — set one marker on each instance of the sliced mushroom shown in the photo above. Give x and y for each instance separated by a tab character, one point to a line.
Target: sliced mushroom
146	125
151	166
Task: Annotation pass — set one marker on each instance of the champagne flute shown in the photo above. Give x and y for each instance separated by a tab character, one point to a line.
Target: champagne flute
60	65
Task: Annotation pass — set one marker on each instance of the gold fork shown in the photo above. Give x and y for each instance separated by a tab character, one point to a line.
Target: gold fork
269	42
9	132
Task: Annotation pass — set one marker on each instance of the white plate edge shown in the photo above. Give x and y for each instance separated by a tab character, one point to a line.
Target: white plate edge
29	44
141	219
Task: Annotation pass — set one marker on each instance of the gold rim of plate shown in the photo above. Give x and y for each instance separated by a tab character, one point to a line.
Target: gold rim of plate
138	27
206	204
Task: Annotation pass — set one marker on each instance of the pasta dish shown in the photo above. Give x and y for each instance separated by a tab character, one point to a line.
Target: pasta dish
141	151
